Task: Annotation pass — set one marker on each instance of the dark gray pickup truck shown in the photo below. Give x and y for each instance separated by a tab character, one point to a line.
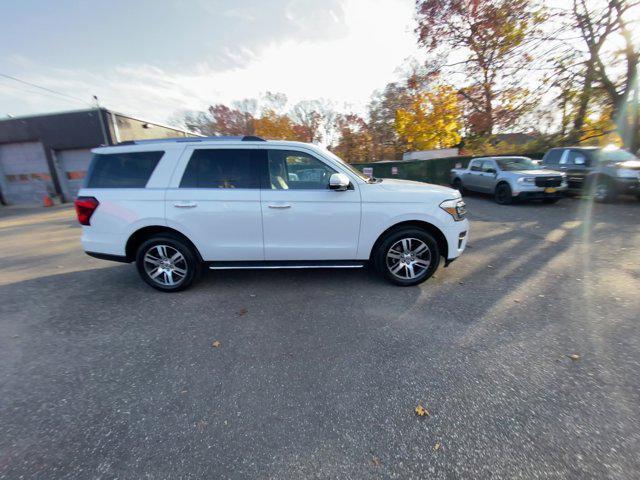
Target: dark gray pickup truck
603	172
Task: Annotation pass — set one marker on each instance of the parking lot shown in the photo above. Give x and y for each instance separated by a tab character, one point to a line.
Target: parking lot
525	352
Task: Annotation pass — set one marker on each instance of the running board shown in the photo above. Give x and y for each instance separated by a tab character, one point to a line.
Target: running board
285	264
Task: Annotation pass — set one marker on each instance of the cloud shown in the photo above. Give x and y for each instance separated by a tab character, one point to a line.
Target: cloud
346	68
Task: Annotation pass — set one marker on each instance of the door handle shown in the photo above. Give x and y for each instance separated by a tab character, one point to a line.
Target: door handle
185	204
279	205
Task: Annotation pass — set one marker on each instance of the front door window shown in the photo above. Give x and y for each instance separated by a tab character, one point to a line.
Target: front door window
292	170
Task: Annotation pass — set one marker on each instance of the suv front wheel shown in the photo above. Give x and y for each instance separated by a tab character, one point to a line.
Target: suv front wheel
407	257
167	263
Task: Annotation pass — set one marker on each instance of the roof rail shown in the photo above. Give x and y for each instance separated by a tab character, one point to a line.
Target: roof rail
245	138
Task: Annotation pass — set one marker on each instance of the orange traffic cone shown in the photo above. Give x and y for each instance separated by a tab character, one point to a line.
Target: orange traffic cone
47	202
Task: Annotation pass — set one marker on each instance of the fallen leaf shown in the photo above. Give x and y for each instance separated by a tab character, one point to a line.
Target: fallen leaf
216	344
574	356
242	311
376	461
202	424
436	446
421	411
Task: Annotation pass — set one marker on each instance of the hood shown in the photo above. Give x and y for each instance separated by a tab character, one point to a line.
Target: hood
535	173
409	186
629	165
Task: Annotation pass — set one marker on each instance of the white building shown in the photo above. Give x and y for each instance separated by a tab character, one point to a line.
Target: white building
429	154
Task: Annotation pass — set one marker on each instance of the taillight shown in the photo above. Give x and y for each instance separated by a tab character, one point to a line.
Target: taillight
85	206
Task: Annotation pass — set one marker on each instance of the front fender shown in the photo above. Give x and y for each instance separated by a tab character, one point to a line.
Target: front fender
376	222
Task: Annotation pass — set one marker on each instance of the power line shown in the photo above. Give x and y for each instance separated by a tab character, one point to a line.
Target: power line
44	88
19	88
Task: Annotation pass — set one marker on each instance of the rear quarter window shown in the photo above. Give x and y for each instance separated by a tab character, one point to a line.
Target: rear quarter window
121	170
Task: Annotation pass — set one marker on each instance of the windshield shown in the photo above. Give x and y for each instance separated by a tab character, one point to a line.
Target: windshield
517	163
615	156
353	170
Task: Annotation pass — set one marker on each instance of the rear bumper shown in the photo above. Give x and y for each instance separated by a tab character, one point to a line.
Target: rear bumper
540	195
106	256
102	243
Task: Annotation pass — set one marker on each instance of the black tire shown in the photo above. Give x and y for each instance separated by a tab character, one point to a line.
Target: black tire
550	200
457	184
417	238
604	190
188	262
502	194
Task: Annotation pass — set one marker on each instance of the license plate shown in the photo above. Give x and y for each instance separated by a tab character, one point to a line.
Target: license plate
550	190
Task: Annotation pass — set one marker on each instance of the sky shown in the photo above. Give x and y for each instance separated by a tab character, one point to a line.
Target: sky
156	58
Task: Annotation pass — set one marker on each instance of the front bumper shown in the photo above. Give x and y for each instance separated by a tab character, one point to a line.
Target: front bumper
629	185
457	235
531	192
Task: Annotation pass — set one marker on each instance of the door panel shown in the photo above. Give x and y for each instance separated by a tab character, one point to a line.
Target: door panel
74	165
224	224
311	225
302	218
486	180
216	202
574	164
24	173
471	178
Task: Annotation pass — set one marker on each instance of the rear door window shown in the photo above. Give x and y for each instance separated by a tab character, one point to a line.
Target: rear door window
223	168
488	165
121	170
576	157
553	157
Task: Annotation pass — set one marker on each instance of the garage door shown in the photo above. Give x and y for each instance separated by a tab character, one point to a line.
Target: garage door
24	173
74	164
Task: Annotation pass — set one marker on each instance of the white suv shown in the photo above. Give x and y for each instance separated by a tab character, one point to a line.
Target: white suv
175	206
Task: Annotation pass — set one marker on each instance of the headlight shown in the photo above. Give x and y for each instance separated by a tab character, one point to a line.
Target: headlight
456	208
526	180
627	173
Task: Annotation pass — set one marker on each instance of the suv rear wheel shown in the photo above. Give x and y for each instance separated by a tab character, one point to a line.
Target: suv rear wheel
407	257
167	263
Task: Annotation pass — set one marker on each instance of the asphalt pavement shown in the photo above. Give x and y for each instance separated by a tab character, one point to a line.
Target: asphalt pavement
525	352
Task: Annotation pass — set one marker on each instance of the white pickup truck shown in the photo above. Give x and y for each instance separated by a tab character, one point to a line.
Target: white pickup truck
509	179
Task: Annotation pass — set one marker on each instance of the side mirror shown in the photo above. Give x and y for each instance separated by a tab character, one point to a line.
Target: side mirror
491	170
579	161
339	182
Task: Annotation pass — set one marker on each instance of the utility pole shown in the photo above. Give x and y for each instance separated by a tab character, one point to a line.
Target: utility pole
102	126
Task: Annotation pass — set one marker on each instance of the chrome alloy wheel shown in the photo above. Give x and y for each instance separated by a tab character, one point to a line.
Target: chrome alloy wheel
165	265
408	258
